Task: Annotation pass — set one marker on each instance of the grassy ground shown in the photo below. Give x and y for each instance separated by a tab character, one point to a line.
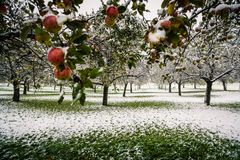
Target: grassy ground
142	104
157	143
52	105
151	142
228	105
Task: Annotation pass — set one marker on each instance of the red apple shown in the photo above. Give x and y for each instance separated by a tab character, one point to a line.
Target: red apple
112	12
109	21
51	24
64	74
3	9
56	56
166	24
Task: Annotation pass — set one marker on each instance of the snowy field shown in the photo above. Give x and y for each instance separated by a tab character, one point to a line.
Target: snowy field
187	110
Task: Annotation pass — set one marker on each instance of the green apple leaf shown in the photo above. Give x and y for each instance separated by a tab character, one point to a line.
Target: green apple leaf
76	24
165	3
88	83
122	9
24	32
84	49
94	73
80	39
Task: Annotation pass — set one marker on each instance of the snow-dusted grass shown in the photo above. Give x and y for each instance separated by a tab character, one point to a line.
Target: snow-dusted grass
151	143
18	120
228	105
146	124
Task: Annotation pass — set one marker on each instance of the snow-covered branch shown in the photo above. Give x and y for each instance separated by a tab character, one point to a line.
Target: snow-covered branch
223	74
127	76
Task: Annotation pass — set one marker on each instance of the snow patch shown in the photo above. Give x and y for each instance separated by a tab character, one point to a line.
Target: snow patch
155	37
63	18
18	122
160	11
221	7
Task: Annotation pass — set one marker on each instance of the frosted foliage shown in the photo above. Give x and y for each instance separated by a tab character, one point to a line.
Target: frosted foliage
155	37
160	11
63	18
221	7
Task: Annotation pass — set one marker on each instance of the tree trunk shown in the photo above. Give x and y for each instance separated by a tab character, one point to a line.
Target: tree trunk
16	91
124	90
195	85
160	86
61	87
239	87
25	88
208	93
105	95
224	85
139	86
179	88
54	86
28	86
95	88
170	87
115	87
131	87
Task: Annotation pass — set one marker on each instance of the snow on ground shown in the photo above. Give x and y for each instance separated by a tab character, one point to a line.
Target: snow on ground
188	95
148	93
16	121
155	95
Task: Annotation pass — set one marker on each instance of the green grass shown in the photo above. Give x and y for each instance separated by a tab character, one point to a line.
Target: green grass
142	104
227	105
52	105
138	96
167	144
39	95
193	91
197	95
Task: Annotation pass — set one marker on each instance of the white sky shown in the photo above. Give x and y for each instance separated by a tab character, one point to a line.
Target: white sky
152	6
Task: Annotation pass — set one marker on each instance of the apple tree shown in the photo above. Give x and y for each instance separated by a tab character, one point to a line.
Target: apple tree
116	48
57	25
174	29
213	58
20	59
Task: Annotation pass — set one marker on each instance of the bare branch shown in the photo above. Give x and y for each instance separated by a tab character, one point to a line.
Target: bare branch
206	79
127	3
136	76
103	3
97	83
223	74
204	9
